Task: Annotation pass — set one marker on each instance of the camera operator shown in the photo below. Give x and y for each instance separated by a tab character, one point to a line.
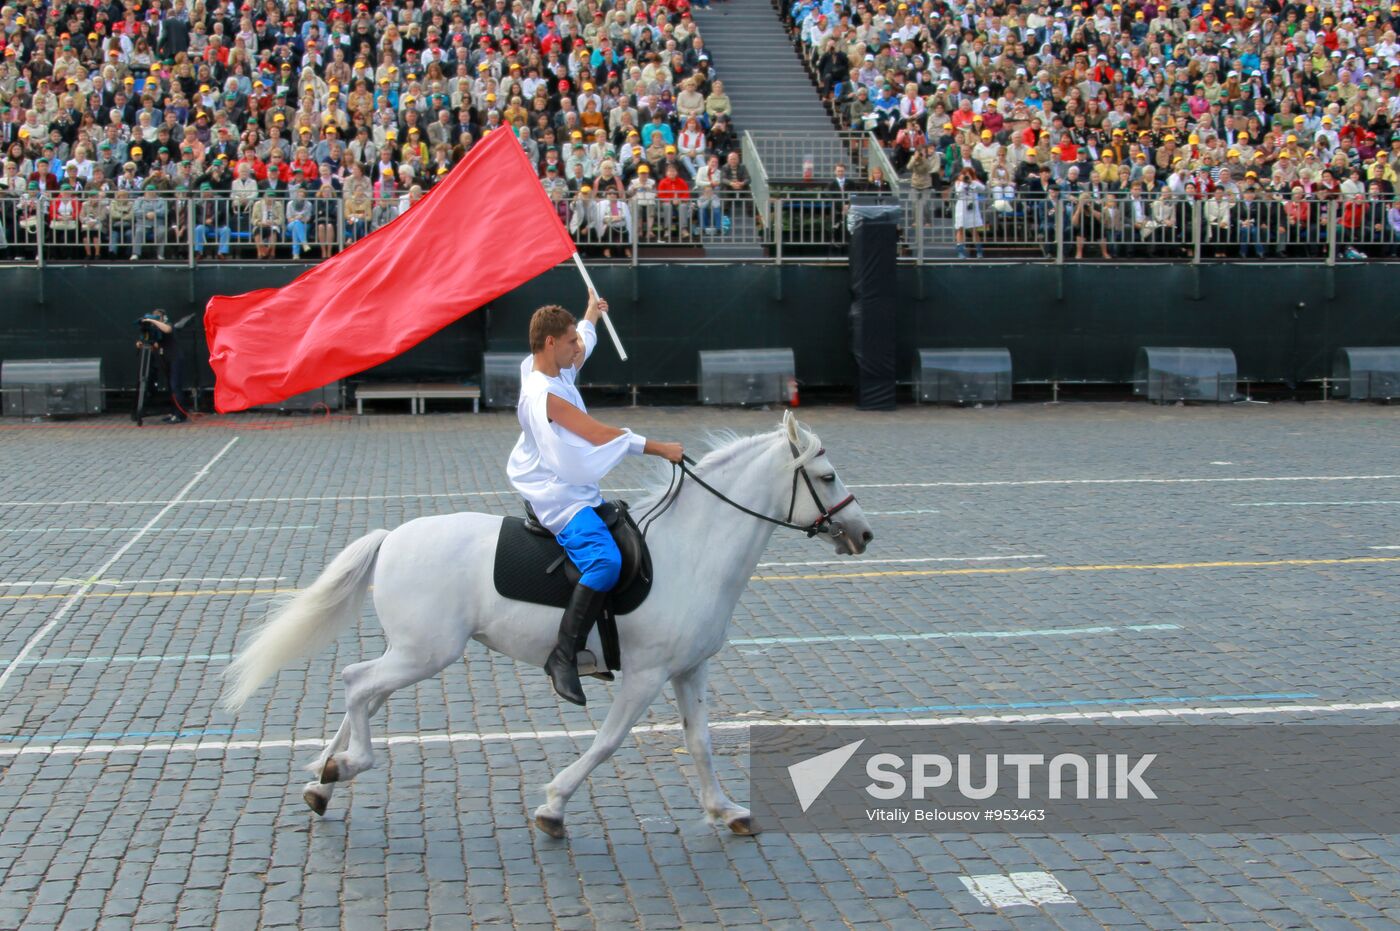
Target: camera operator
158	338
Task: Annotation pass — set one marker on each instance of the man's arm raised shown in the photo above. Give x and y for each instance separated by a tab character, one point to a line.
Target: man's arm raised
596	308
598	433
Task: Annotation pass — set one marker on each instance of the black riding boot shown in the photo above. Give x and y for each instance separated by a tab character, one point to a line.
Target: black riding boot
562	665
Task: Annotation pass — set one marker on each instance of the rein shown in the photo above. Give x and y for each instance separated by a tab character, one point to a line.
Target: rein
822	524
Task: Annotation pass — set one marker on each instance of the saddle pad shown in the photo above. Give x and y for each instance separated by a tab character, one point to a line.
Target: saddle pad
520	573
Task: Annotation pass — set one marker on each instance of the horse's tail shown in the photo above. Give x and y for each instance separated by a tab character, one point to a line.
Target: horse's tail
306	623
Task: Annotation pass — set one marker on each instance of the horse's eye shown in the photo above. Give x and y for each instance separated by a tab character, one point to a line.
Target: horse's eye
829	478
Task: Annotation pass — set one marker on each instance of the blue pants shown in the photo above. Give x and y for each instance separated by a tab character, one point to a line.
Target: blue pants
590	546
296	230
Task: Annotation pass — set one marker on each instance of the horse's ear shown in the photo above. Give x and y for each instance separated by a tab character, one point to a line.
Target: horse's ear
790	425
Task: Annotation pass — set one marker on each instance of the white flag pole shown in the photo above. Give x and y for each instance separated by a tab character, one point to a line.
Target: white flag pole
588	282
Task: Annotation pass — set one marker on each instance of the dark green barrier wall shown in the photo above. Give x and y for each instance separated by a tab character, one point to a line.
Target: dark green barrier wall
1076	323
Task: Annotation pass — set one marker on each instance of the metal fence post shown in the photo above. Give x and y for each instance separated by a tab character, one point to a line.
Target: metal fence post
918	228
1058	212
40	222
635	242
189	229
339	225
1196	231
1331	221
778	230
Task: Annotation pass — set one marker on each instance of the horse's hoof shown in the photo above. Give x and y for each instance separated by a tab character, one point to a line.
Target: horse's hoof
330	772
744	826
550	825
315	800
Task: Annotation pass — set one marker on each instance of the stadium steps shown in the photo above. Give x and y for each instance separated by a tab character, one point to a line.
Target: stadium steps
768	87
766	81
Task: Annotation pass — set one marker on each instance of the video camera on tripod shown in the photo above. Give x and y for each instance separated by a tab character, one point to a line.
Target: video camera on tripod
156	333
150	333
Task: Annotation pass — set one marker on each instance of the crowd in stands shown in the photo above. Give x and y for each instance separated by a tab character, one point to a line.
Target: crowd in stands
293	129
1113	119
281	129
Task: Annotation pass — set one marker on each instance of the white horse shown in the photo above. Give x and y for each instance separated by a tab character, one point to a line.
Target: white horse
433	592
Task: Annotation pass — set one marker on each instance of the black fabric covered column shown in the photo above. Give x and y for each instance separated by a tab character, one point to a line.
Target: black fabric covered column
874	243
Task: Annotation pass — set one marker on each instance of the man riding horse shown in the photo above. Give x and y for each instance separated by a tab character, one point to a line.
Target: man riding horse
557	463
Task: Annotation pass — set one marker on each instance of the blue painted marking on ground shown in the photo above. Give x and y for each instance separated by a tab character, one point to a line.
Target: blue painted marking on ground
1071	703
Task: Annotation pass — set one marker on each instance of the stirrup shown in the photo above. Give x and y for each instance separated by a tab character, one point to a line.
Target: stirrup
588	666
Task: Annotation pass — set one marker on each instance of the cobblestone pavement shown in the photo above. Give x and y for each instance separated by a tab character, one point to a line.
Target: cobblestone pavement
1243	557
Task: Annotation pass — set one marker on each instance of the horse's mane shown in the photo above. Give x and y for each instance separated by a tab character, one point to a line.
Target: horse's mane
723	447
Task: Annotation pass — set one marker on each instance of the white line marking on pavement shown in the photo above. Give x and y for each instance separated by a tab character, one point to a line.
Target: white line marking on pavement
1034	888
94	660
956	635
1385	547
319	743
77	596
286	500
873	562
895	513
1131	481
1306	504
238	529
113	583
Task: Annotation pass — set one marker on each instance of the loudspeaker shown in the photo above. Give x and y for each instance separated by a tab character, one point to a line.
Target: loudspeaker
746	376
1182	373
874	291
500	378
331	396
1367	373
51	387
963	376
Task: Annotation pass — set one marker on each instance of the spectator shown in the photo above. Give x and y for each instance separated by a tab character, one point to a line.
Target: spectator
266	218
211	220
717	103
298	215
641	194
692	146
710	210
673	201
612	222
326	214
967	212
1207	95
151	221
121	216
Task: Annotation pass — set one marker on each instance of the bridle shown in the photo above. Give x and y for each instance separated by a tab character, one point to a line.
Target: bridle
822	524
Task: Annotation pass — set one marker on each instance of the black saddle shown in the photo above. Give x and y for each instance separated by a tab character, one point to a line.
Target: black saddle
532	566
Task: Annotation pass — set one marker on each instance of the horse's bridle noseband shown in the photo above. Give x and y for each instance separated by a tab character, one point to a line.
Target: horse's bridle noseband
822	524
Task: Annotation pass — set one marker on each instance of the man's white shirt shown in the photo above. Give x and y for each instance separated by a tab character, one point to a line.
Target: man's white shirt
558	471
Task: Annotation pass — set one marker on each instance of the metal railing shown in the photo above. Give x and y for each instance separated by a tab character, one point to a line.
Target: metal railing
1064	226
57	227
758	172
620	227
788	223
788	155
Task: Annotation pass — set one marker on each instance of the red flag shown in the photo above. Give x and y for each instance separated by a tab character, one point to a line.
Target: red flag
486	228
